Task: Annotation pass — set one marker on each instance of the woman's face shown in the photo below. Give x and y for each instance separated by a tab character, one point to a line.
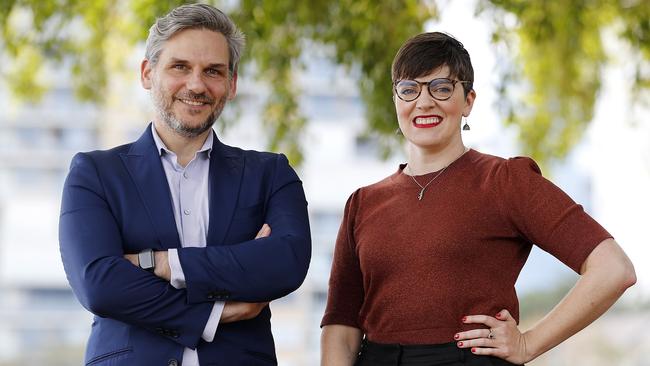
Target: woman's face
433	124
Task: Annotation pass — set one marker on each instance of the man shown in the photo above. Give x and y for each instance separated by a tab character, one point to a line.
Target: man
155	235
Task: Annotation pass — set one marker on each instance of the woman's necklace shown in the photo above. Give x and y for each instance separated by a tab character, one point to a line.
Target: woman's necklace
424	187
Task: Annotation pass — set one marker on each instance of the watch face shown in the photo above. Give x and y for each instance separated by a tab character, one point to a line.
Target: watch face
146	259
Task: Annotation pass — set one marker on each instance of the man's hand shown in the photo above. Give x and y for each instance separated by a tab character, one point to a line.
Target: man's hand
133	258
264	232
162	268
235	311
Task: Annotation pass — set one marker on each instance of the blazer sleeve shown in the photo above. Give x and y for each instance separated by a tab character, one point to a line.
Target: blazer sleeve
105	282
262	269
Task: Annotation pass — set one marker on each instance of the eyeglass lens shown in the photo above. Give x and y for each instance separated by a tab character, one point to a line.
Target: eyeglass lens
409	90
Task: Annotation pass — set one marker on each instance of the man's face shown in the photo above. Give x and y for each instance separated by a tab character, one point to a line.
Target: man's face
190	83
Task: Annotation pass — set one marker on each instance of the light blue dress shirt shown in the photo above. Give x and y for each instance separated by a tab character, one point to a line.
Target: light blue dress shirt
190	196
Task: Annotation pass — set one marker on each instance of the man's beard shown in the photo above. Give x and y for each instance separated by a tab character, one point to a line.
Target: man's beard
163	105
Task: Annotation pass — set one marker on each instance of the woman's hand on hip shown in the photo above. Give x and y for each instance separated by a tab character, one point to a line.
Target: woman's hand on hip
502	338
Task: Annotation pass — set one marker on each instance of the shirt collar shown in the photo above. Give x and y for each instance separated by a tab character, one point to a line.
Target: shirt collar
162	148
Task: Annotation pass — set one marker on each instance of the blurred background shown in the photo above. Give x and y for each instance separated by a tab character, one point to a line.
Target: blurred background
567	82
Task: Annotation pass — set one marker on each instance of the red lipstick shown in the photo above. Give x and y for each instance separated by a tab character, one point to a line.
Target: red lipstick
427	121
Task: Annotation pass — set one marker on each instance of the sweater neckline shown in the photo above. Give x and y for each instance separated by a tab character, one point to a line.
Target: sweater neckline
461	161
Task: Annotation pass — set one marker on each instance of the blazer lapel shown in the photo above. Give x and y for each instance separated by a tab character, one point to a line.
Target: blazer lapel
144	165
226	170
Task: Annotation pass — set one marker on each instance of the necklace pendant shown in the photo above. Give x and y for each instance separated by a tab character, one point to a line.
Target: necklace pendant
421	195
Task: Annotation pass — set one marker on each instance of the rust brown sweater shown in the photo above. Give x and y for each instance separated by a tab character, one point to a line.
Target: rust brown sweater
406	271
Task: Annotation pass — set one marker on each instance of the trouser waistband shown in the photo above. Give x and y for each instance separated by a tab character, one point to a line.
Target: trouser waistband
428	354
379	354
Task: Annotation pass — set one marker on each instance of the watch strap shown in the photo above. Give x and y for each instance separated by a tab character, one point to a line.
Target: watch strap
147	260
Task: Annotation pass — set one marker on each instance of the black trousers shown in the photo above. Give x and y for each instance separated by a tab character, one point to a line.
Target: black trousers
447	354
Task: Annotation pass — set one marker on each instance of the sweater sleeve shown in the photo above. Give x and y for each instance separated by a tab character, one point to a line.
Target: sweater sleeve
546	216
345	295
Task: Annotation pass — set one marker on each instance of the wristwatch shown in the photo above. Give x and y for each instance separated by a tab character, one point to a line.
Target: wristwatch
147	260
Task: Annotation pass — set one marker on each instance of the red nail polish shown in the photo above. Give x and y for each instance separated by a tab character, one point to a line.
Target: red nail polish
473	350
498	315
456	336
460	344
464	319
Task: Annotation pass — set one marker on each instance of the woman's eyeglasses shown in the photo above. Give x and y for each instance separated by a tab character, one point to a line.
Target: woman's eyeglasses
440	89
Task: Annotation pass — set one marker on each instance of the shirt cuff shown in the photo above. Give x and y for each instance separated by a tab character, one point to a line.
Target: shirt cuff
213	321
178	277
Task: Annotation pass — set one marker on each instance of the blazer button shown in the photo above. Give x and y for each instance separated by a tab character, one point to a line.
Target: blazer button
172	362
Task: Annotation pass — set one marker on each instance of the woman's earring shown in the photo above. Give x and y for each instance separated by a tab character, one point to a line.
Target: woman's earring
466	125
398	132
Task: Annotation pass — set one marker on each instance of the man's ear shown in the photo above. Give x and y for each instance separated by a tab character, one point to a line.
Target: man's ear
145	73
233	86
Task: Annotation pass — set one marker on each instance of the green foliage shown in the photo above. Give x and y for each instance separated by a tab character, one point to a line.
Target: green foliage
635	20
549	84
275	30
550	91
369	35
363	33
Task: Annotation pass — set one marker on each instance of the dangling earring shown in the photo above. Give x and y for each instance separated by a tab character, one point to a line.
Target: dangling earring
466	125
398	132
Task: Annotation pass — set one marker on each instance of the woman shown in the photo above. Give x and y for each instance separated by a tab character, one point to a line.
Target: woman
426	260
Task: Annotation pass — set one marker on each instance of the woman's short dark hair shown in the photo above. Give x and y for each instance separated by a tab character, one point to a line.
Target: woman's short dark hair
427	52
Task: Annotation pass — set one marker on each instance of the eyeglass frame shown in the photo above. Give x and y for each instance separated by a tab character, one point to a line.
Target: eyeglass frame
428	83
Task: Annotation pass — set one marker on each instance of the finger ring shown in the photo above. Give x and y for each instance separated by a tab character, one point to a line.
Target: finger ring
490	335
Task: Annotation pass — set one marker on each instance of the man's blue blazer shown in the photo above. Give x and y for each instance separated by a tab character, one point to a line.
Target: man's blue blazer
118	201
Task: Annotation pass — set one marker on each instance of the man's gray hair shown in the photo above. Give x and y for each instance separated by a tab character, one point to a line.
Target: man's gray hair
195	16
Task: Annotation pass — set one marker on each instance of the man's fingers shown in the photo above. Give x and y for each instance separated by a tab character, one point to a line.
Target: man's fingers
264	231
133	258
235	311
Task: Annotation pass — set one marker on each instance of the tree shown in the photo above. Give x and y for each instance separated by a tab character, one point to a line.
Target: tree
549	87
